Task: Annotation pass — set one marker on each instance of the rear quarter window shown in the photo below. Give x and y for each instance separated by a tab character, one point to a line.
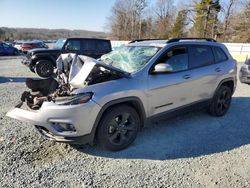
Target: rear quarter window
219	55
200	55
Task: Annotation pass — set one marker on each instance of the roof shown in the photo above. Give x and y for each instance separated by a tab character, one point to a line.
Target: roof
156	43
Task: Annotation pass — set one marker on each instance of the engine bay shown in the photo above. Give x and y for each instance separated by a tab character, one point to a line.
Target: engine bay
72	72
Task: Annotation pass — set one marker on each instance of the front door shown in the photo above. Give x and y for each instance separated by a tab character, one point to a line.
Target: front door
167	91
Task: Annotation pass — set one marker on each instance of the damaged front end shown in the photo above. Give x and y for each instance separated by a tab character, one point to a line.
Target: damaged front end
56	104
72	72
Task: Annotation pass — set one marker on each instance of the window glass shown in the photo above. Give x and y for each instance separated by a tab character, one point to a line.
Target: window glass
130	58
219	55
73	45
200	56
103	46
88	45
5	45
177	58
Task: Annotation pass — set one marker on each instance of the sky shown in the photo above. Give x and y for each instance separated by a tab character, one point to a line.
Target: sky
55	14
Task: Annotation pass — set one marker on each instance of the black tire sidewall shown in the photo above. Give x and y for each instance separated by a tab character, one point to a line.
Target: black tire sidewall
213	107
41	63
102	131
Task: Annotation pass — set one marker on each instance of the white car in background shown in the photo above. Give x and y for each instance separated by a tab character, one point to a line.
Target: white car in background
18	45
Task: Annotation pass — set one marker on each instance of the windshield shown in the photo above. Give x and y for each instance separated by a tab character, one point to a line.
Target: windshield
59	43
130	58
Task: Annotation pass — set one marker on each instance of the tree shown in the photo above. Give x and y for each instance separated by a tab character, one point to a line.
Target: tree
206	18
126	19
241	25
164	15
180	24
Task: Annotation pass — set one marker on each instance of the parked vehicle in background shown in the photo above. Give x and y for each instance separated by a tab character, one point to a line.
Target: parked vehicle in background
110	99
244	74
6	49
43	61
26	46
17	44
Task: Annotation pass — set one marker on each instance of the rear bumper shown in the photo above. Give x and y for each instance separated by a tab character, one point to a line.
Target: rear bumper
50	117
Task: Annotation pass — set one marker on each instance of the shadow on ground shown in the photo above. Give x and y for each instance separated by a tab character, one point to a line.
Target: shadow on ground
4	79
191	135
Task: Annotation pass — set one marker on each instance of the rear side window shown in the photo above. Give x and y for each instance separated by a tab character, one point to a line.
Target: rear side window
219	55
103	46
200	56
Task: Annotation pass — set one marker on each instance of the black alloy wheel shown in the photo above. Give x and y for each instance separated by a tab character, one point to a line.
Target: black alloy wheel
221	101
118	128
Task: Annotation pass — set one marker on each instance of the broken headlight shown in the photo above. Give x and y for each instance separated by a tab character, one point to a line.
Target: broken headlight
75	99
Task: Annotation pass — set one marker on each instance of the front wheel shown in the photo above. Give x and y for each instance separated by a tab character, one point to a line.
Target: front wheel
44	68
221	101
118	128
15	53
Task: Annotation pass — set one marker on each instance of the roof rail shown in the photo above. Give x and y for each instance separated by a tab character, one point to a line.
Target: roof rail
179	39
140	40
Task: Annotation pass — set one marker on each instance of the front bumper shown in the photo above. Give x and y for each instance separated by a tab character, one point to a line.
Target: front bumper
244	74
82	117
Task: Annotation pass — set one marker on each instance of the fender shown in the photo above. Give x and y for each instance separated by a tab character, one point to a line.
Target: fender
133	99
224	81
43	56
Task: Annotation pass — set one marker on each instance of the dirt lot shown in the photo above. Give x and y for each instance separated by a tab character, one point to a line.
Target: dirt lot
194	150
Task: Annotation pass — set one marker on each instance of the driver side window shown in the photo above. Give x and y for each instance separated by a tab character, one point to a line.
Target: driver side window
177	58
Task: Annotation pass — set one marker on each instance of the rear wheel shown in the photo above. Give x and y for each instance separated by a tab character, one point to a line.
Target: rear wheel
221	101
118	128
44	68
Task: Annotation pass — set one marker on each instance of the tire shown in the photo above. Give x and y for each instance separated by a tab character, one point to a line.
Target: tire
15	53
118	128
32	69
221	101
44	68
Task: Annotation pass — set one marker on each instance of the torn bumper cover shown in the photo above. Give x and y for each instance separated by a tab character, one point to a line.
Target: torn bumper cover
59	108
58	122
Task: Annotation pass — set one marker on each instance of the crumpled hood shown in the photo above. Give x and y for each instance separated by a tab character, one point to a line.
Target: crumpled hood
80	67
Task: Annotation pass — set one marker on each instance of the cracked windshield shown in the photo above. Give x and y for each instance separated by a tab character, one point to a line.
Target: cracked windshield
130	58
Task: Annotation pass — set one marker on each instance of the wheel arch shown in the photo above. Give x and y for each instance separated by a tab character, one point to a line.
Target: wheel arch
46	58
229	82
134	102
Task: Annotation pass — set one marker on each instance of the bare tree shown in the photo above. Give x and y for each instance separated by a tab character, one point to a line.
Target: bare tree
164	12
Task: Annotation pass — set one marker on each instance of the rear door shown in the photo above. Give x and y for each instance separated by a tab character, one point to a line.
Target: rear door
204	71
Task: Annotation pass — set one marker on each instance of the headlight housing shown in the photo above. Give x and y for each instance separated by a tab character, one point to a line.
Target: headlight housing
75	99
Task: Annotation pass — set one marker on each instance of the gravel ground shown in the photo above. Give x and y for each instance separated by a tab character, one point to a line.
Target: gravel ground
193	150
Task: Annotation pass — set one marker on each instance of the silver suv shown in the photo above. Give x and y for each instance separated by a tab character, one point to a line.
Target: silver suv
110	99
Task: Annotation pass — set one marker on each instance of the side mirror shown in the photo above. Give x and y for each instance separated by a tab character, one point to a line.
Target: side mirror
163	68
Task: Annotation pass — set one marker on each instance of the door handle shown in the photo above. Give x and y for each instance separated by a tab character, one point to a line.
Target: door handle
217	70
187	76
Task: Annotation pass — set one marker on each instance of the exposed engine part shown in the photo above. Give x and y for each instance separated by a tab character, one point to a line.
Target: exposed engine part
72	72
